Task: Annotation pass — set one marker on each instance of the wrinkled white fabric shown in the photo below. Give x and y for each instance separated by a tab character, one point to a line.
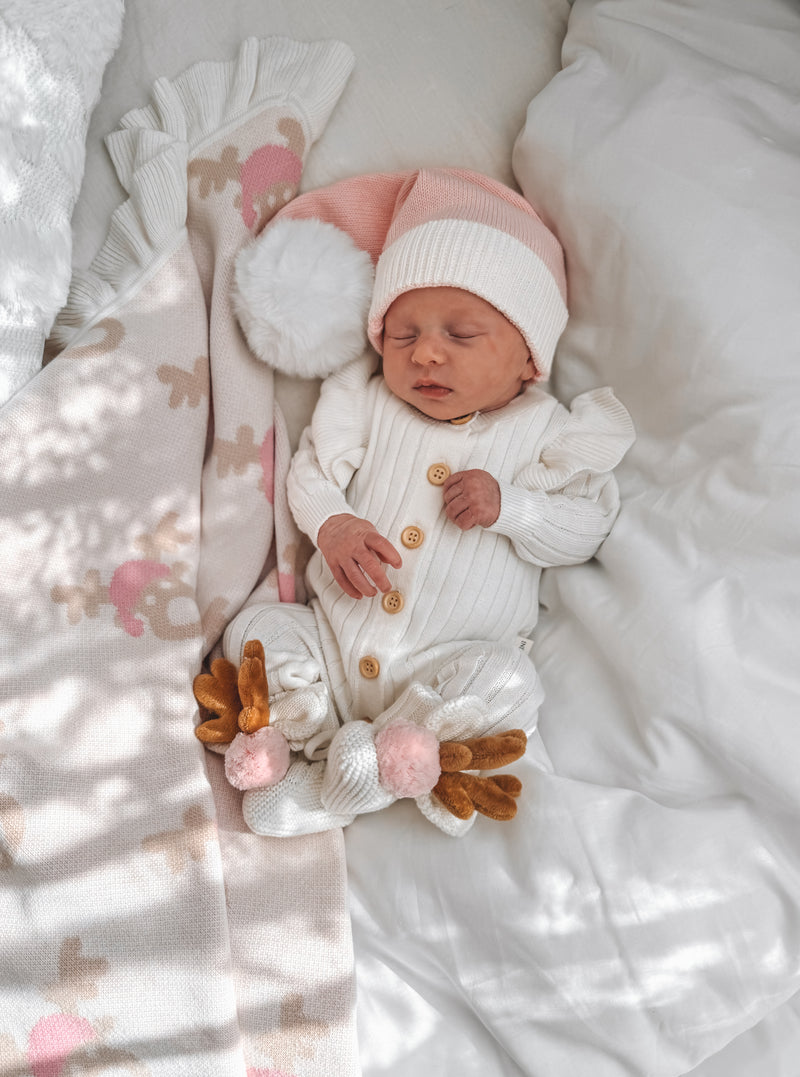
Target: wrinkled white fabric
640	915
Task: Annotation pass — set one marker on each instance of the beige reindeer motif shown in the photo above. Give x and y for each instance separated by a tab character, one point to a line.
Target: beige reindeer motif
113	334
267	179
77	976
82	599
296	1035
215	175
65	1043
238	455
187	385
184	844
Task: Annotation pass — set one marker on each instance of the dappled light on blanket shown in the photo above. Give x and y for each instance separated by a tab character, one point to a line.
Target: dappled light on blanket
140	509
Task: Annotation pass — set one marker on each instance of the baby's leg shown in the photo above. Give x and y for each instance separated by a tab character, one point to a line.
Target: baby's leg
301	703
477	689
301	707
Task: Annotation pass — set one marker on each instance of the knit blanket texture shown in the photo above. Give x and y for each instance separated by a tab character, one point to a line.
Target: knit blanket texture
145	930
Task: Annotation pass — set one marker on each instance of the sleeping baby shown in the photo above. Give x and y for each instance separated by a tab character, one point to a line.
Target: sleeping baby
436	480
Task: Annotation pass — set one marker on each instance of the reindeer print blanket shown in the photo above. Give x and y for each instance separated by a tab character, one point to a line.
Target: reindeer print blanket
146	930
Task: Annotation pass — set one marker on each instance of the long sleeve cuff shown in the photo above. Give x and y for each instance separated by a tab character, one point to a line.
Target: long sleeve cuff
555	529
311	512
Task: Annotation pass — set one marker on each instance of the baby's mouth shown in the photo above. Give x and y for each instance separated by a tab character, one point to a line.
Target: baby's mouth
432	389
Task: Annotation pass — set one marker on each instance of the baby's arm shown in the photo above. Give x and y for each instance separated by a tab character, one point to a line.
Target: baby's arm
331	451
355	552
561	506
560	527
547	529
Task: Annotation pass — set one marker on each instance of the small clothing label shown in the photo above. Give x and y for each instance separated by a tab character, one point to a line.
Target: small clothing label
524	644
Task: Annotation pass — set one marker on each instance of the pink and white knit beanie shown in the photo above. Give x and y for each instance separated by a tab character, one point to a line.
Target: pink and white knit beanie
307	295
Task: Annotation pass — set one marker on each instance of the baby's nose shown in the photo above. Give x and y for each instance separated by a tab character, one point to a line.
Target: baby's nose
428	350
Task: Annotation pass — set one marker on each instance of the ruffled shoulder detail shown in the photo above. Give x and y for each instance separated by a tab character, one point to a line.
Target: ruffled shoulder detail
154	145
593	436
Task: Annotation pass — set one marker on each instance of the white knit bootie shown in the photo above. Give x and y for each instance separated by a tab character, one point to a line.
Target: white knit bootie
352	782
293	806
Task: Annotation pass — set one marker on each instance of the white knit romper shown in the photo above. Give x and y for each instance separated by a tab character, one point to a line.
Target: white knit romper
449	631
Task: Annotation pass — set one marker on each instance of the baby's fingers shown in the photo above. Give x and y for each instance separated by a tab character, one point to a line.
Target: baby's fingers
373	570
362	573
343	579
384	549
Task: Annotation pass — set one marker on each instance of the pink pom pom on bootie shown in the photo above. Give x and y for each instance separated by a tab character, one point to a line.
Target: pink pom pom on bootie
408	759
255	760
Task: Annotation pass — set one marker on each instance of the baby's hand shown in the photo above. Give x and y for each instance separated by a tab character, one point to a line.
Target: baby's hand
472	498
354	551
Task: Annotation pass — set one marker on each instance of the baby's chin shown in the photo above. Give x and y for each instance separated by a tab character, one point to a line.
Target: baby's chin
445	409
449	408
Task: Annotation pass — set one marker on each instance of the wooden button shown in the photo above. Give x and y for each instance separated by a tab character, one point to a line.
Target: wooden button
438	474
369	667
393	602
412	537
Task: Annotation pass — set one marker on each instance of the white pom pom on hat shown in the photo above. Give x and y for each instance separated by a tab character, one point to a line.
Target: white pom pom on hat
305	292
302	294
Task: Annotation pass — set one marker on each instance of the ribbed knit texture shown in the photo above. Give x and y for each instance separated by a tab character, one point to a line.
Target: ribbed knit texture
352	782
293	807
457	586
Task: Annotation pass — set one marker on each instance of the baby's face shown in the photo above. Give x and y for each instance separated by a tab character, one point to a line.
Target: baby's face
450	353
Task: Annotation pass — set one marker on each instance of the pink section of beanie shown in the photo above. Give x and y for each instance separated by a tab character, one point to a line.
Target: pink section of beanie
461	195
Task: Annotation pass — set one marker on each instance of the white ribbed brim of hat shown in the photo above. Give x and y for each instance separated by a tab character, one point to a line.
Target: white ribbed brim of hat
480	259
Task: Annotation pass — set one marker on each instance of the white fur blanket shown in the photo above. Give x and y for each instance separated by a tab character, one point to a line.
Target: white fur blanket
52	57
147	931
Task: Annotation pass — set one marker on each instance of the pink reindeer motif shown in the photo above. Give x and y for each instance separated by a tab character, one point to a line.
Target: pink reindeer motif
144	591
53	1039
127	586
270	173
65	1044
268	178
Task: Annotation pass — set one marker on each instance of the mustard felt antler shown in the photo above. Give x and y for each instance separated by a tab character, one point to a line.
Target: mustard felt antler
239	698
217	691
462	793
253	689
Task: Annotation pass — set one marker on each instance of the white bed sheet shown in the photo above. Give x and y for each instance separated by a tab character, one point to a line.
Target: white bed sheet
640	916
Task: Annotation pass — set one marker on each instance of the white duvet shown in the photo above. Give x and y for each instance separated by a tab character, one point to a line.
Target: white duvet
641	913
